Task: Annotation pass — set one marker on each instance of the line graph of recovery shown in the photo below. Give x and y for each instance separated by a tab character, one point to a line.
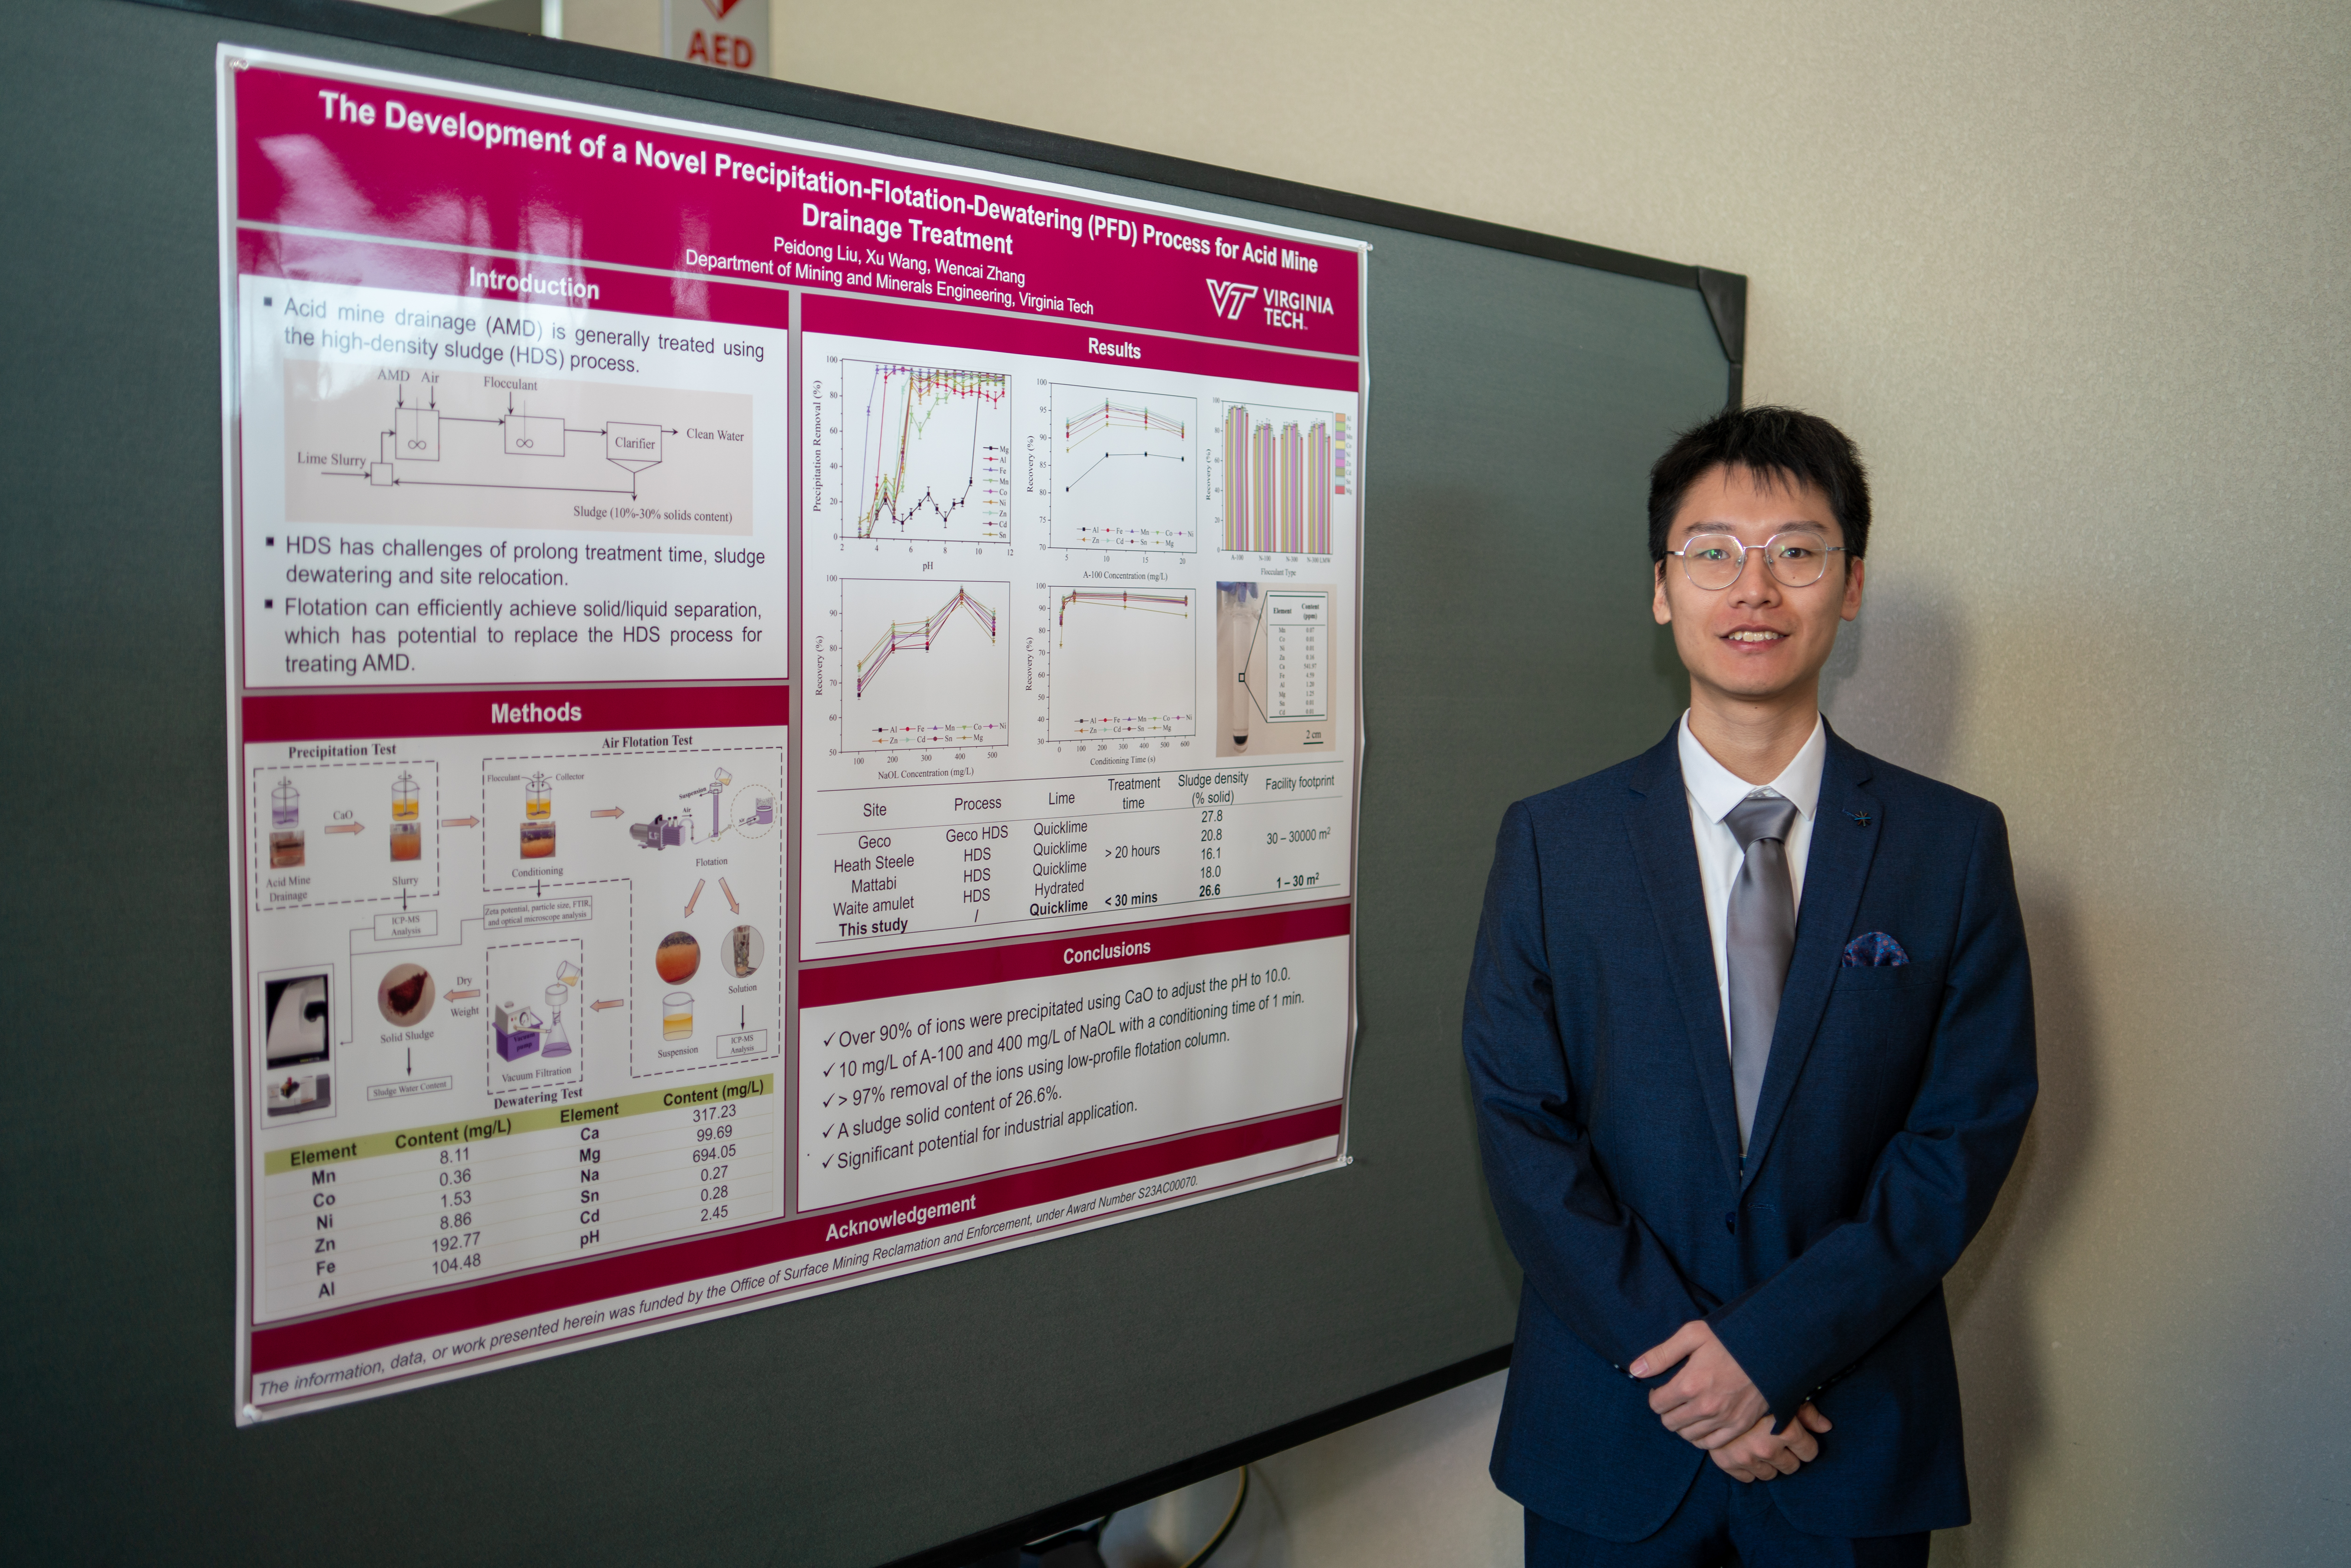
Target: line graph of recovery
1123	471
932	449
1122	663
928	664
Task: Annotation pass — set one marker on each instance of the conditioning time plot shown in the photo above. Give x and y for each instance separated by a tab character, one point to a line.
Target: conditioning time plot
1121	663
931	453
924	662
1277	476
1123	476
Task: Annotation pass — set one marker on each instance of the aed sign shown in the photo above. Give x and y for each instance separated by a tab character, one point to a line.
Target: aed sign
729	33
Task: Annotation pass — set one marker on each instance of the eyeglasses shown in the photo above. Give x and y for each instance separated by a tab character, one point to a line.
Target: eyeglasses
1715	562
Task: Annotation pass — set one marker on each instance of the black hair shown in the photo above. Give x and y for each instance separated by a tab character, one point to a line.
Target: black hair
1782	443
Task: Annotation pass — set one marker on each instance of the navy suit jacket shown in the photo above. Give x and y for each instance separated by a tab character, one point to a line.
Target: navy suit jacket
1890	1113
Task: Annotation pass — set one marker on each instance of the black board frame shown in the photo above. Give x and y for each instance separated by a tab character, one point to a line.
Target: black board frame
1724	294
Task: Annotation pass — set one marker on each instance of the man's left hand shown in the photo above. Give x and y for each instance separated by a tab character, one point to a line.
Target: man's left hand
1762	1455
1710	1401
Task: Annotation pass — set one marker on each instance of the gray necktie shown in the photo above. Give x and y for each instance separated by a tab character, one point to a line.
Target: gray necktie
1763	934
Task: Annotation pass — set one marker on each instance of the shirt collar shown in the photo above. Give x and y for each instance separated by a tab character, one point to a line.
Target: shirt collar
1716	788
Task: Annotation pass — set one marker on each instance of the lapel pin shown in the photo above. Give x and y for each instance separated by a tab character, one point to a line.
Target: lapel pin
1860	819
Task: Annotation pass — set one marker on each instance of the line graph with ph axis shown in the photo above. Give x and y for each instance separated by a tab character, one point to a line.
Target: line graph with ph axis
1124	663
927	663
1124	475
931	453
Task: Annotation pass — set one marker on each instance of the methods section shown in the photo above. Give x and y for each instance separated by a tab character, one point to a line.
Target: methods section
496	1049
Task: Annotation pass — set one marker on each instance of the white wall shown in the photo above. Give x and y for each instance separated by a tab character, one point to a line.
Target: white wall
2075	275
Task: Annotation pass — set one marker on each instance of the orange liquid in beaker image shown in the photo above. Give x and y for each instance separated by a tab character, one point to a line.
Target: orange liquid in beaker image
537	842
407	841
285	849
677	1015
677	958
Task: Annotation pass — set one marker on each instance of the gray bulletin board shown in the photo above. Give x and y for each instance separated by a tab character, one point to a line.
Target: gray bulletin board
1522	385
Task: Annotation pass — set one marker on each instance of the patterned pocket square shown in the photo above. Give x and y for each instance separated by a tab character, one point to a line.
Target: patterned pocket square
1874	950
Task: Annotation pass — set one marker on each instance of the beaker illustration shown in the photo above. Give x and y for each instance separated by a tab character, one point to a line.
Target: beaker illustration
285	849
567	973
677	1015
285	805
538	819
404	798
555	1039
407	841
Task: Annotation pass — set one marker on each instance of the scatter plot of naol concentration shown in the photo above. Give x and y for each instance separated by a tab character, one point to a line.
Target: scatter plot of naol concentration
929	453
924	662
1123	474
1122	663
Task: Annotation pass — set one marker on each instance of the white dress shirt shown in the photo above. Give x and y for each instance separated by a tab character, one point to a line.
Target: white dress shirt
1713	791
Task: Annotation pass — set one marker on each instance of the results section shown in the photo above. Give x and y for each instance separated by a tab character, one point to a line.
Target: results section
938	863
1040	696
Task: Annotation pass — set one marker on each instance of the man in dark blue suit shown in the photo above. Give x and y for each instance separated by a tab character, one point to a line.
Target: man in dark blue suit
1750	1029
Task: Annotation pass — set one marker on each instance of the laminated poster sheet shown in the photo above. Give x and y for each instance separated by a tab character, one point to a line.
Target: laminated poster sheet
793	716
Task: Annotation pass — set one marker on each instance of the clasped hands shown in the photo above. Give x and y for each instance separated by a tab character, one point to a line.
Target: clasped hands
1717	1405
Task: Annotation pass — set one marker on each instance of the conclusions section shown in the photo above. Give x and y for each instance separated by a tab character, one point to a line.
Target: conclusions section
996	1060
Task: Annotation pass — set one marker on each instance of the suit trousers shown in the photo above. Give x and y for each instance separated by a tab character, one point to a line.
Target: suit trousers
1720	1523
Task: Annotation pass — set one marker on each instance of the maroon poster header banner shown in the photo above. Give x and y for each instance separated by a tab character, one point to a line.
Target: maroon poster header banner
335	157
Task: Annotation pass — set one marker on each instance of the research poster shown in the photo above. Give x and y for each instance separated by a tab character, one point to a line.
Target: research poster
794	717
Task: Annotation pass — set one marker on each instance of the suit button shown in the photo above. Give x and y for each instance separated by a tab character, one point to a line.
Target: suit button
1730	1222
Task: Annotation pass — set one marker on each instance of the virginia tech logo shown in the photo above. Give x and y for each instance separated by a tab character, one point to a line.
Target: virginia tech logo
1231	298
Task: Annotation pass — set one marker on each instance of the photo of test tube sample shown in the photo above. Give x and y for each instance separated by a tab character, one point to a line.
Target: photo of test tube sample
407	831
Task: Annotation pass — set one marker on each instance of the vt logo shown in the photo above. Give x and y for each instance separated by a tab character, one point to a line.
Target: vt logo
719	8
1230	298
